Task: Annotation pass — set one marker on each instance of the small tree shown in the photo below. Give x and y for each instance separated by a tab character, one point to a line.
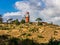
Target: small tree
17	22
22	21
38	19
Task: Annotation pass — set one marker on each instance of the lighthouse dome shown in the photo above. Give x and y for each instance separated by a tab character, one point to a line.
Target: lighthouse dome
27	14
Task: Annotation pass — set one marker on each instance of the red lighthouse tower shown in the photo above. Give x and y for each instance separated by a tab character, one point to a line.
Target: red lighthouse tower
27	17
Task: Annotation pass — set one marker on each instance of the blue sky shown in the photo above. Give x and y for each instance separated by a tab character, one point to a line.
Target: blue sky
7	6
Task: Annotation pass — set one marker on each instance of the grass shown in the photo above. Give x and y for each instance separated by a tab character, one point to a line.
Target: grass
29	31
5	28
33	29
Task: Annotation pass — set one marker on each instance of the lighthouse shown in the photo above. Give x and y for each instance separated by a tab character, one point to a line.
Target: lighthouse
27	17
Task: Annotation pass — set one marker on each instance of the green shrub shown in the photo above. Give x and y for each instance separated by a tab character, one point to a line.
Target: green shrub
22	21
29	42
17	22
33	29
24	34
15	41
4	28
28	34
3	39
21	26
30	22
55	32
40	36
1	26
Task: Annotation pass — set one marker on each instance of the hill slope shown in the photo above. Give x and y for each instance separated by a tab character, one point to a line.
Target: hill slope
40	34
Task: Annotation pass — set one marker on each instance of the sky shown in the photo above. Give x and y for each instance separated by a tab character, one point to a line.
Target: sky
7	6
48	10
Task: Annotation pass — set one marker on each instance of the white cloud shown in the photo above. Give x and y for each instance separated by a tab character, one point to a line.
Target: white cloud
48	10
23	6
52	11
12	13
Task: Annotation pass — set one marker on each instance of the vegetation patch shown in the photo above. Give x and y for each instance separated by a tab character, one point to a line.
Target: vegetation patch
26	34
4	28
33	29
40	36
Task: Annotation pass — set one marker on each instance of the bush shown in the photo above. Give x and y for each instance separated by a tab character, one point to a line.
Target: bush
4	28
53	42
55	32
26	34
17	22
40	23
22	21
33	29
29	42
3	39
30	22
40	36
15	41
1	26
